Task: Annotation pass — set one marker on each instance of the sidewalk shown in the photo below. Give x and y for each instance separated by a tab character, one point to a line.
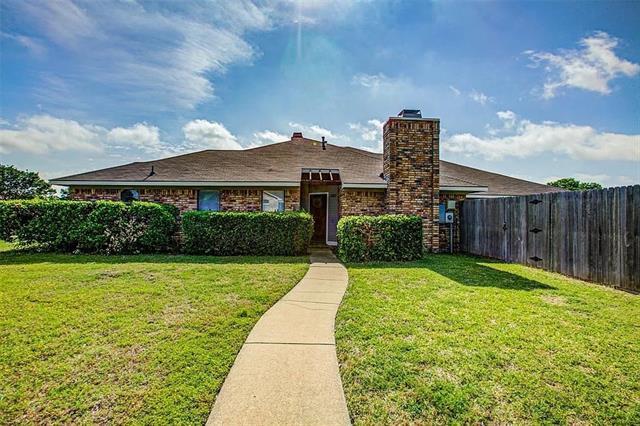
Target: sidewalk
287	372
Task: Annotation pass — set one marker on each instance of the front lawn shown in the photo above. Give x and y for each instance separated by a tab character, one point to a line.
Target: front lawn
455	339
126	339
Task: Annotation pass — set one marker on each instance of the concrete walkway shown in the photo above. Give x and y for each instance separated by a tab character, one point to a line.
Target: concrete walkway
287	371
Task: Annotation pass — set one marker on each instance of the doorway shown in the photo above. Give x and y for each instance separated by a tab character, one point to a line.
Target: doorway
318	209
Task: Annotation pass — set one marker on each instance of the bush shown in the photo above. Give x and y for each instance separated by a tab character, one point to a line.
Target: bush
102	226
244	233
386	237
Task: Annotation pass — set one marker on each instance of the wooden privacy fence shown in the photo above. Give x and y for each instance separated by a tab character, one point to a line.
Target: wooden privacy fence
592	235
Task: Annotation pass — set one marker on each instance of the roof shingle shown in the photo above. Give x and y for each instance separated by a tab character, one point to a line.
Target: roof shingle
283	162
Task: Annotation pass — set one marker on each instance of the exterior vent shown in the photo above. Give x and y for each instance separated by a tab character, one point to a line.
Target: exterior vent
410	113
297	135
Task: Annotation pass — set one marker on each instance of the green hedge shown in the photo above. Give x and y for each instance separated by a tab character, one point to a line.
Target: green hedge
244	233
102	226
386	237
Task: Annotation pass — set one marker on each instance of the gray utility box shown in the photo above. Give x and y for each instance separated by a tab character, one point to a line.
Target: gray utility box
448	217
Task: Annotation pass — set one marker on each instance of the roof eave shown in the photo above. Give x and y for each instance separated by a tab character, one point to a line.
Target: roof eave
461	188
354	185
134	183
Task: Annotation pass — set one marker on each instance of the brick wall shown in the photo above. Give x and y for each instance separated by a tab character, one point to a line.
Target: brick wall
444	227
94	194
187	198
241	200
411	167
359	202
183	198
292	199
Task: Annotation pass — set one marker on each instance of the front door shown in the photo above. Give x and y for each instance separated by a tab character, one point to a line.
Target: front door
318	209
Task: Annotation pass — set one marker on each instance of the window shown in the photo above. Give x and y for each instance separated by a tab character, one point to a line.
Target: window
129	195
209	200
273	201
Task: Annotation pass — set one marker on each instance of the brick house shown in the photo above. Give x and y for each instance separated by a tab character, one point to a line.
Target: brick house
327	180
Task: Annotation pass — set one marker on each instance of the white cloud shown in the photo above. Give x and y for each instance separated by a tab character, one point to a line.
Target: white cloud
140	135
159	53
590	68
310	12
28	43
474	95
40	134
526	139
376	83
372	131
314	131
267	137
43	134
508	118
63	21
203	134
369	132
480	97
370	80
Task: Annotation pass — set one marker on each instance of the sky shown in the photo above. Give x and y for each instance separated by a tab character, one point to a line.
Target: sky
536	90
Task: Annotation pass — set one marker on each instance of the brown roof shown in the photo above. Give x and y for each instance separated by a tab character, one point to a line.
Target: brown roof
497	184
282	163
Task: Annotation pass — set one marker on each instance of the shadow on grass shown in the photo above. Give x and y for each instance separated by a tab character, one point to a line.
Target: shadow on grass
28	256
464	270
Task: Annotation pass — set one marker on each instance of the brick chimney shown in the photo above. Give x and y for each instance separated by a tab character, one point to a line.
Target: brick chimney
412	170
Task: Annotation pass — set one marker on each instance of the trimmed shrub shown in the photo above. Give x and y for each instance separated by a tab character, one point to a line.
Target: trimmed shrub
94	227
246	233
386	237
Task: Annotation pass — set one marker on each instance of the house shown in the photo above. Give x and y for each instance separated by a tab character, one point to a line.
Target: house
327	180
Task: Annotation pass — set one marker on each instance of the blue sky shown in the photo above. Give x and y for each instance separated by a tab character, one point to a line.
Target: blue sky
537	90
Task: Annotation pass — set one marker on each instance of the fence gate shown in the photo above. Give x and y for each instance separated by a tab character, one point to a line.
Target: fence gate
593	235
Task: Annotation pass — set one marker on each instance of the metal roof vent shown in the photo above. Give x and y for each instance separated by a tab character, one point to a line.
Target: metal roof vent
410	113
296	135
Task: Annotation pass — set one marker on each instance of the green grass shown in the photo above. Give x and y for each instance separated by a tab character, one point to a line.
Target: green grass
454	339
126	339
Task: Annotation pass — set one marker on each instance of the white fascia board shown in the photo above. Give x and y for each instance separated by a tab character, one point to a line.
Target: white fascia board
464	188
489	196
364	185
138	183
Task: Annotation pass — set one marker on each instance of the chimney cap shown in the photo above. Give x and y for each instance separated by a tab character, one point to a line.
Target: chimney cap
410	113
296	135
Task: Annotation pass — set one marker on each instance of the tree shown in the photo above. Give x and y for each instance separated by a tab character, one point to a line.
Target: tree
572	184
22	184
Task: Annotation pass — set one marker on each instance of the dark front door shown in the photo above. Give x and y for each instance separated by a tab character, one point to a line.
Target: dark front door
318	209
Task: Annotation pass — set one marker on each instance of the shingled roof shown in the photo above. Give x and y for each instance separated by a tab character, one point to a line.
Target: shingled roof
280	164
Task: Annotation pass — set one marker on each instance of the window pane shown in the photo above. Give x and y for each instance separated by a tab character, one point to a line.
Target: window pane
129	195
209	200
273	201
